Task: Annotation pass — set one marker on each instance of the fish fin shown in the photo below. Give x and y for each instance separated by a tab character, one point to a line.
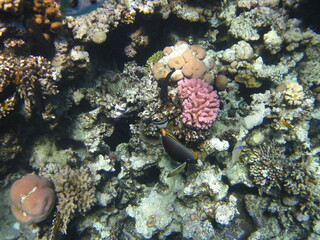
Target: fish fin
177	170
161	125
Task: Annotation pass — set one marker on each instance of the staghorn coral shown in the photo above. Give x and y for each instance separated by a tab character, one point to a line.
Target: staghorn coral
75	189
32	198
200	103
28	79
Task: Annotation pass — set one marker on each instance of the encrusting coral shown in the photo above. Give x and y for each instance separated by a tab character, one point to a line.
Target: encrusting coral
76	192
32	198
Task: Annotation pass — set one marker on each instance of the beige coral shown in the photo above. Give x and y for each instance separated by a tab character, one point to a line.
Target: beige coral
75	189
188	61
293	94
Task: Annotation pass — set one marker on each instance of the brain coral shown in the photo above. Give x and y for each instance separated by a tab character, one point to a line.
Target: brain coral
200	103
32	199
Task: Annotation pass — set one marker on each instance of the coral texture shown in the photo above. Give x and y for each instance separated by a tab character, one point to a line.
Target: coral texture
267	167
75	190
32	199
30	79
200	103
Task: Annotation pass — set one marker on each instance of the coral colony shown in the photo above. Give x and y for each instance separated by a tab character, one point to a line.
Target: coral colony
165	119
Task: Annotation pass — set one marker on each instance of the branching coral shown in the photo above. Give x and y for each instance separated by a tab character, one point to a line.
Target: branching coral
29	79
200	103
266	166
293	93
296	176
75	189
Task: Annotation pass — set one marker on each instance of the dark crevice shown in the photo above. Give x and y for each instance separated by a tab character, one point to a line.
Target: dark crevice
161	33
308	12
121	133
243	189
150	176
246	93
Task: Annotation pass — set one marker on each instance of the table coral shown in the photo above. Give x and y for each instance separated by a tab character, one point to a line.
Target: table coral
32	198
200	103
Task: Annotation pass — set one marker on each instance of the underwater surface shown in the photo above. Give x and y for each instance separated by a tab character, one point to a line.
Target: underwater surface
159	119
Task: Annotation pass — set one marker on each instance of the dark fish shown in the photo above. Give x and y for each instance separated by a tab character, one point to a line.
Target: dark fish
175	149
164	87
79	7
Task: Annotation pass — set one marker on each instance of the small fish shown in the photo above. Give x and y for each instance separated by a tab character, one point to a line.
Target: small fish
236	152
286	124
177	170
79	7
175	149
164	87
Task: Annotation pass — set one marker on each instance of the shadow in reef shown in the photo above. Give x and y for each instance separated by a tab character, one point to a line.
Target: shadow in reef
161	33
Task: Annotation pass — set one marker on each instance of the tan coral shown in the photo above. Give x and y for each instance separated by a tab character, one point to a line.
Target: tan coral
188	55
75	189
167	50
194	69
12	6
198	52
293	94
176	62
160	71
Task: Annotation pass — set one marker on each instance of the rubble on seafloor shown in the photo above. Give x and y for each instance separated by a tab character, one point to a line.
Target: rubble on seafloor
236	82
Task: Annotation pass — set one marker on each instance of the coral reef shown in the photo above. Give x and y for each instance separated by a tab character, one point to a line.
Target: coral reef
267	166
130	65
32	198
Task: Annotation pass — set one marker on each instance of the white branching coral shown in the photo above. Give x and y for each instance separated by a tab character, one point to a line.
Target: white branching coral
293	93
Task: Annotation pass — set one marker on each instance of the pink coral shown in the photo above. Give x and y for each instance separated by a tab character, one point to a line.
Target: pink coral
200	103
32	198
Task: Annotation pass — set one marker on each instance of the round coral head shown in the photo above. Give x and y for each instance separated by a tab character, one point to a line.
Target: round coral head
32	198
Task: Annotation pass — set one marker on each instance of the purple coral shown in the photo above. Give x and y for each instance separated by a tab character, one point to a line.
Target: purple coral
200	103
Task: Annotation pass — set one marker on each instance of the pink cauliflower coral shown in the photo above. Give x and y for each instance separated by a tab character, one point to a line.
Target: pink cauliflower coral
200	103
